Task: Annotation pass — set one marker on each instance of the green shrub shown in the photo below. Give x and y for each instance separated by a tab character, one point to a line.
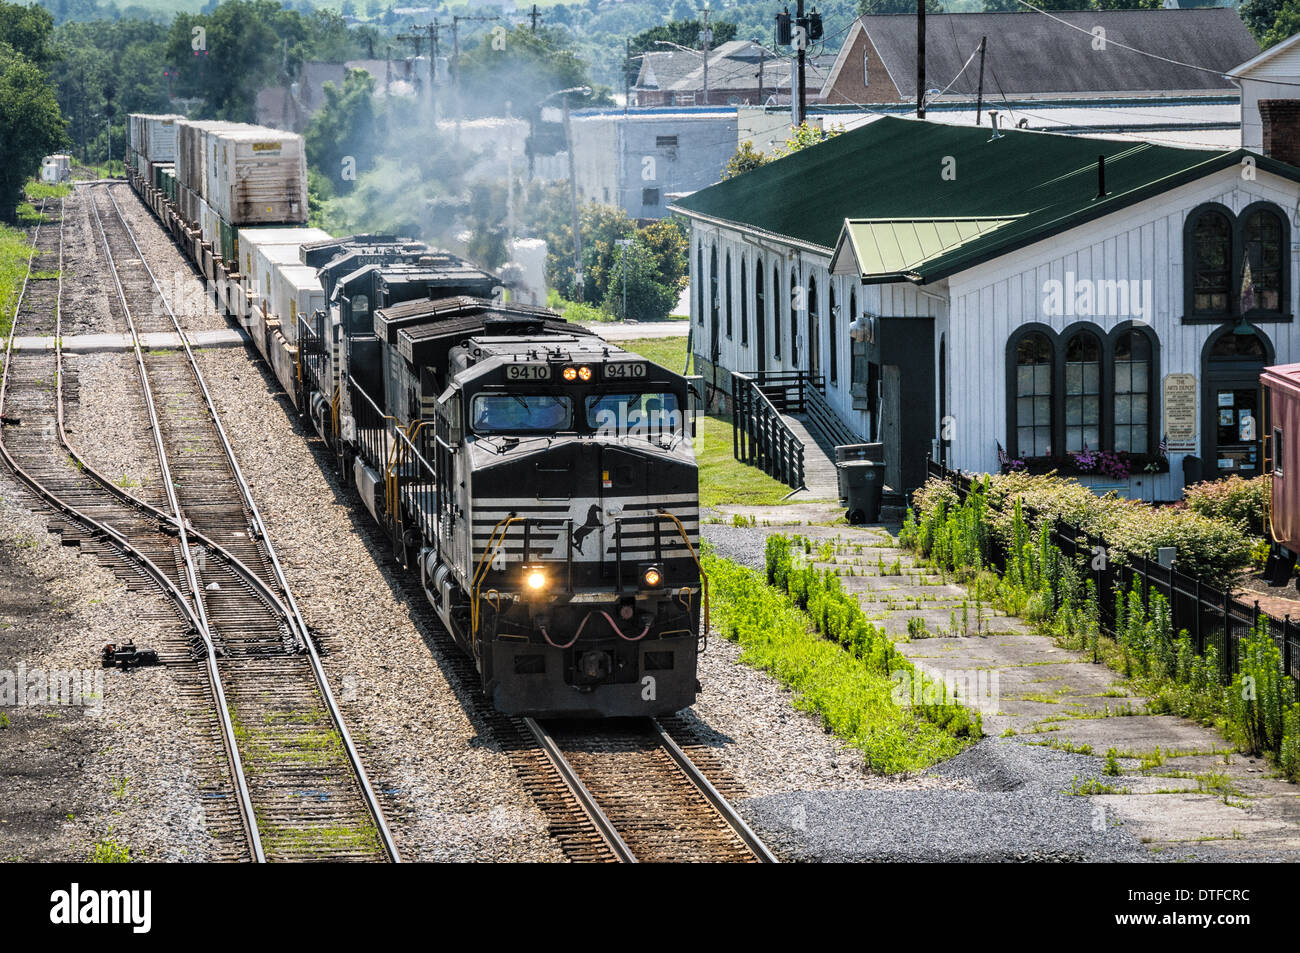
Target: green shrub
1215	550
1233	500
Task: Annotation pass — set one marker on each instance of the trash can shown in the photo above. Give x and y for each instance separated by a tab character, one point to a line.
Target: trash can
862	483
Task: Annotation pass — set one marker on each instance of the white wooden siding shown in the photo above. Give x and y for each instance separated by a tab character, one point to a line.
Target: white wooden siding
1143	243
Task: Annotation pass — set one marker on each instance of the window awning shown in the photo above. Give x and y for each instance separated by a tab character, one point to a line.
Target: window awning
884	250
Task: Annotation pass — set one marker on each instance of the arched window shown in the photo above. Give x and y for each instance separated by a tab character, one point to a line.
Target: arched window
760	310
728	279
794	319
744	305
1033	408
699	282
1082	392
814	339
1133	367
834	340
776	312
856	372
1264	244
1208	258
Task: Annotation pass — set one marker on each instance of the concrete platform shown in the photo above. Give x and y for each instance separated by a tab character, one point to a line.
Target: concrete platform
108	343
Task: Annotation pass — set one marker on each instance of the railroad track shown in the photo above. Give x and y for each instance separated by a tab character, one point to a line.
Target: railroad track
295	787
644	795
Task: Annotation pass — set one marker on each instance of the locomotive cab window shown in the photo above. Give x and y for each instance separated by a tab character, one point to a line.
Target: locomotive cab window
634	415
521	413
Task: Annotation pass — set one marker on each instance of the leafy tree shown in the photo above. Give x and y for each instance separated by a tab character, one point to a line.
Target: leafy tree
1287	24
31	125
27	31
668	241
744	160
635	278
1261	15
519	67
343	130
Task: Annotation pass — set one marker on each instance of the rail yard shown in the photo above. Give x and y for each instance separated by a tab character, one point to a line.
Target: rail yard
278	772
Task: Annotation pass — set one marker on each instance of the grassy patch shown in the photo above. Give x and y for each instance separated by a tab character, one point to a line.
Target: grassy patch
666	352
844	673
724	480
14	250
109	851
41	190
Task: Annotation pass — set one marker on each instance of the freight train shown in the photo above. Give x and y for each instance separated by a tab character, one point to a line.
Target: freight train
540	481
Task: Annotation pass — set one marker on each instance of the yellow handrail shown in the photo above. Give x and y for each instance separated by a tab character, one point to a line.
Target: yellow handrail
704	577
484	563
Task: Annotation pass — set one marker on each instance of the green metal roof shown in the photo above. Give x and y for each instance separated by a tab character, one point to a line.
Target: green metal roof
887	177
892	249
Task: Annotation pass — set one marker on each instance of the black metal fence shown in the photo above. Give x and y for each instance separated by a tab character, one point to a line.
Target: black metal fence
1210	615
760	437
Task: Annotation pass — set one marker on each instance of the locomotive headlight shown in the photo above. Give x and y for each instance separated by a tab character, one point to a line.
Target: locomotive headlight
536	580
584	373
570	374
652	578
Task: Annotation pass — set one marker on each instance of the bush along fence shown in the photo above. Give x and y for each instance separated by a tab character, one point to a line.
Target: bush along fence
815	639
1191	647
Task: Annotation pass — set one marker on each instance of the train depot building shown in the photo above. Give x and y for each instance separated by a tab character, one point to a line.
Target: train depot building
1012	299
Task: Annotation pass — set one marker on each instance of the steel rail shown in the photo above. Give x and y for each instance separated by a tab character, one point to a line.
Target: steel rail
367	790
191	573
586	800
120	542
713	796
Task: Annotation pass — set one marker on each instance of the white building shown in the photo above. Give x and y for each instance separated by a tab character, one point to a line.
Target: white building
1016	298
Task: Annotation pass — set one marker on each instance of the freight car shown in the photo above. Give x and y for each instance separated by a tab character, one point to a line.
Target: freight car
1281	433
539	481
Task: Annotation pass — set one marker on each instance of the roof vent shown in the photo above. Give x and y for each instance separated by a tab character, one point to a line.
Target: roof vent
993	119
1101	177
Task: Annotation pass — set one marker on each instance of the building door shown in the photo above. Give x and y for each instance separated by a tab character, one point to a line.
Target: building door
1231	432
891	432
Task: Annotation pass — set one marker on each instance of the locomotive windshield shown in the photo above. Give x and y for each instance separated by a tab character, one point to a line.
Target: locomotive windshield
521	413
635	415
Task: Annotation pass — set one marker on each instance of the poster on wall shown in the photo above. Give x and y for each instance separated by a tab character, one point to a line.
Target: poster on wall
1180	412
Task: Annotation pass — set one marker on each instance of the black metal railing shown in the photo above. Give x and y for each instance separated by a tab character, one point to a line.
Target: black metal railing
1211	615
827	423
760	437
372	428
313	352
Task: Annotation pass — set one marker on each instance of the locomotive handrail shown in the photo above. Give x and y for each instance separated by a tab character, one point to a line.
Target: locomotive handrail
484	563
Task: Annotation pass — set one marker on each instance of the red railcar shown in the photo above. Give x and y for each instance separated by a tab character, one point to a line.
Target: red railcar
1281	386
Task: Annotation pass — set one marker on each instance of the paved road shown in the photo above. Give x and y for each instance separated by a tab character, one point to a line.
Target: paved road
631	330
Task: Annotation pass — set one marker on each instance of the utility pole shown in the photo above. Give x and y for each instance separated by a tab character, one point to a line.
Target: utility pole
802	22
762	58
578	280
623	243
534	16
416	37
979	95
706	40
627	72
920	59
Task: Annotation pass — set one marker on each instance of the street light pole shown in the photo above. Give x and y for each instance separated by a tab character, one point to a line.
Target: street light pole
623	243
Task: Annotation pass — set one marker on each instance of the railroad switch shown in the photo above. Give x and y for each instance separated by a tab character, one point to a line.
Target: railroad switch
127	656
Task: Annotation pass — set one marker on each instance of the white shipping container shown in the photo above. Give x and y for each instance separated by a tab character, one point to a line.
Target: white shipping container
154	137
295	290
258	176
260	248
